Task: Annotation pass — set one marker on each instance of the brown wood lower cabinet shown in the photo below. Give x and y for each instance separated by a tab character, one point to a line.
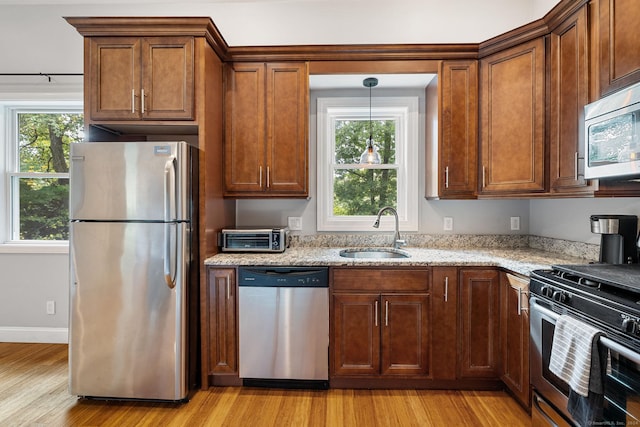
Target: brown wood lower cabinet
394	327
514	336
384	334
479	341
380	333
444	329
220	330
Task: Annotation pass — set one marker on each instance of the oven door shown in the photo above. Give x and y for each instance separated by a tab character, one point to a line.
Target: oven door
622	381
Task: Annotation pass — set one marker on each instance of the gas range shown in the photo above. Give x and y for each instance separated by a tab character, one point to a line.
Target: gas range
605	294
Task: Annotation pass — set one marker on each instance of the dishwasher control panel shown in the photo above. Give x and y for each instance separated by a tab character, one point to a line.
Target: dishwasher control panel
316	277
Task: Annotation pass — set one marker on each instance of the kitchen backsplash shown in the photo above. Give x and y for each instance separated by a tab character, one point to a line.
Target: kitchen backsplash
452	241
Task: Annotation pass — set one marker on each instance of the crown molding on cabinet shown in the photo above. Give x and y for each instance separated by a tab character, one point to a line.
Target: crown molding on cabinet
204	27
153	26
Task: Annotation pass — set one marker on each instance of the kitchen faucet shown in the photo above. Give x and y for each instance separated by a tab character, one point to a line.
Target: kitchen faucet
397	240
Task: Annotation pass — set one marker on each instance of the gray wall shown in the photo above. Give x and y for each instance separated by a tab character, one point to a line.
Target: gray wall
568	219
28	282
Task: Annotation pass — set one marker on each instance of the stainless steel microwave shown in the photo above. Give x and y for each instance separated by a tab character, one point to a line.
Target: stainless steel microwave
254	239
612	135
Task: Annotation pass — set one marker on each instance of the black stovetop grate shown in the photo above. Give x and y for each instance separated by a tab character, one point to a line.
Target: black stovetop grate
623	276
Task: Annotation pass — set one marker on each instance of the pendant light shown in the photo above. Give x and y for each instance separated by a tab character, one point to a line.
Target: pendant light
370	154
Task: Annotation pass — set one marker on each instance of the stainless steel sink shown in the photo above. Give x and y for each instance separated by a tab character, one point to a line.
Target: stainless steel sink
374	253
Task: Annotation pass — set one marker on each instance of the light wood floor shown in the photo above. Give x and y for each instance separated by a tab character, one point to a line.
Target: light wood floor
33	392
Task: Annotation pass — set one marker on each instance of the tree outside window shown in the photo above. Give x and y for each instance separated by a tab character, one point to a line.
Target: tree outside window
362	191
40	180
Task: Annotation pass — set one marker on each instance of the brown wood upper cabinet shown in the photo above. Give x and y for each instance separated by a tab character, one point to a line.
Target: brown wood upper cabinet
512	111
616	44
266	124
458	130
569	64
141	78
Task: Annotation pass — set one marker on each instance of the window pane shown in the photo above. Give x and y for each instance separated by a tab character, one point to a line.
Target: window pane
352	135
44	140
363	191
44	208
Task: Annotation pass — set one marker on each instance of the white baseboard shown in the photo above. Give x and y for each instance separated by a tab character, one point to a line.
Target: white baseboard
36	335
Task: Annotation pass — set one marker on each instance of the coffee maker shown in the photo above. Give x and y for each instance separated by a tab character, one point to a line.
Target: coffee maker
618	242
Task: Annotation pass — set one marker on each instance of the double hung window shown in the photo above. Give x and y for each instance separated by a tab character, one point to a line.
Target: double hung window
37	171
350	193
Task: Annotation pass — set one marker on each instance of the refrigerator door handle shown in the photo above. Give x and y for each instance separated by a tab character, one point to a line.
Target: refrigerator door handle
169	201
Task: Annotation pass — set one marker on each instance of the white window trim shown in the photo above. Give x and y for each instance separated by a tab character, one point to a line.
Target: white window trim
8	157
405	109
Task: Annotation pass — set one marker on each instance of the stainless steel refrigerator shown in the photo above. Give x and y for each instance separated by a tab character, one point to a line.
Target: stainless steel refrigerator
131	217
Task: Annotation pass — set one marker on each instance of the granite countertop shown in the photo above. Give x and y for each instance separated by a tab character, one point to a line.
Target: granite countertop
517	260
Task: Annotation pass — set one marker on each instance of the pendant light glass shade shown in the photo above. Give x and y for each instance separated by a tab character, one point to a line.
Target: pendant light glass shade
370	155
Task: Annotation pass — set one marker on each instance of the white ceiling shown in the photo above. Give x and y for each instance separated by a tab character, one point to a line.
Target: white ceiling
316	22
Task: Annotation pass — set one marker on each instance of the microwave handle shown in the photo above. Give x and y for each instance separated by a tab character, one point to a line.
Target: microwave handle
612	345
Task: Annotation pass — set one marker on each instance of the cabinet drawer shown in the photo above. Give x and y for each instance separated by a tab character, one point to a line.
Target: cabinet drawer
380	279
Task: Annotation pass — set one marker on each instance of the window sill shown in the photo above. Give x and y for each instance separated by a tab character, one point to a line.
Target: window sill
34	248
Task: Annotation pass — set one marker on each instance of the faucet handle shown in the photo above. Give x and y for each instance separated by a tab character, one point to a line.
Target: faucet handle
400	242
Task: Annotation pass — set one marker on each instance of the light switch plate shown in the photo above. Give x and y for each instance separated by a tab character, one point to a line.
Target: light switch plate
295	223
51	307
515	223
447	223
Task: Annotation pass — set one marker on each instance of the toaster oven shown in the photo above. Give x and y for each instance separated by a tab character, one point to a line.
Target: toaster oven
254	239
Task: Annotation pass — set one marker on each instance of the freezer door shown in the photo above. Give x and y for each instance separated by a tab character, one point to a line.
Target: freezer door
138	181
127	329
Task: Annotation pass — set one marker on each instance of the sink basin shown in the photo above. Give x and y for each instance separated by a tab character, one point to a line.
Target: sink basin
374	253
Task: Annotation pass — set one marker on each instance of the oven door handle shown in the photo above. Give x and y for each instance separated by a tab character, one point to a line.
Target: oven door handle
612	345
543	310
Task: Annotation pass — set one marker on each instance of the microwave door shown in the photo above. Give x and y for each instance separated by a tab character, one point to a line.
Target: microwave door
612	135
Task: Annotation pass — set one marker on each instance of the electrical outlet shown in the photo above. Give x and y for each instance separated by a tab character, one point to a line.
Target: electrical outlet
51	307
447	223
295	223
515	223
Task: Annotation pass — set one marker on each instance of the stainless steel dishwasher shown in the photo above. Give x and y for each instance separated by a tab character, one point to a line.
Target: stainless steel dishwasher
284	326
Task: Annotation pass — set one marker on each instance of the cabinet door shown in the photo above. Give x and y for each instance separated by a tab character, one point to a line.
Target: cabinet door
512	92
245	139
569	94
618	44
356	334
479	321
222	321
514	335
287	131
405	334
444	336
458	145
167	90
114	79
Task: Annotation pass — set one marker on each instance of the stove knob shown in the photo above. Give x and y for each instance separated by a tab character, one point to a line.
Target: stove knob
630	326
546	291
559	296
